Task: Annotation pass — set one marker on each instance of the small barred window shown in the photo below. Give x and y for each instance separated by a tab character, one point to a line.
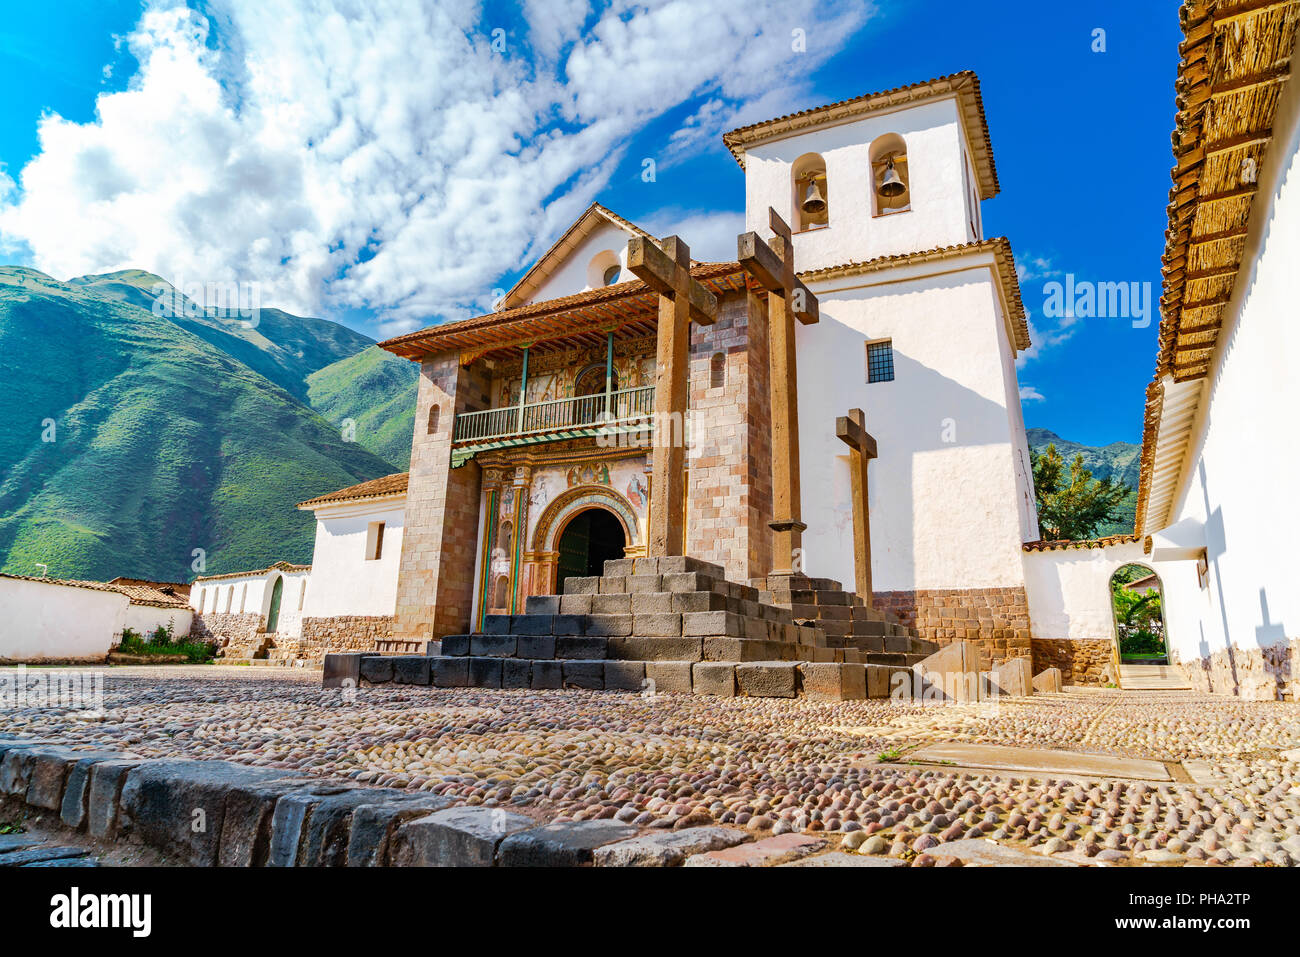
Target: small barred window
880	361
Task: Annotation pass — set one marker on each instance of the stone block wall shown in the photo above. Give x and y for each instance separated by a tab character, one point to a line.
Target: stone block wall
1271	673
1088	661
340	633
997	619
435	580
729	492
225	627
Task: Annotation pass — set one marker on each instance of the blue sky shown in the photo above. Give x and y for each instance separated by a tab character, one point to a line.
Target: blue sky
270	174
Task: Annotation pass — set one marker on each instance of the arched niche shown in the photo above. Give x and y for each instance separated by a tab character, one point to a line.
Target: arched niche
889	150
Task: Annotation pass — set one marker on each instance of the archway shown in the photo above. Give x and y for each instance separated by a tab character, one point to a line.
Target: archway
1137	602
589	539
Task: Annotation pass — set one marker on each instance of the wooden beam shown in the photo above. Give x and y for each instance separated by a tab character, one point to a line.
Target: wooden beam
658	270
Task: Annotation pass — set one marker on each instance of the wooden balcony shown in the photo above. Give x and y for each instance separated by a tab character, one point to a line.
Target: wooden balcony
555	419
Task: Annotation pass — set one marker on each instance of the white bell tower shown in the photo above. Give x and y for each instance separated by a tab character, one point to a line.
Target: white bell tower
879	175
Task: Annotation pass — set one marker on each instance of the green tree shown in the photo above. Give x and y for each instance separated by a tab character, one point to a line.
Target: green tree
1139	617
1071	503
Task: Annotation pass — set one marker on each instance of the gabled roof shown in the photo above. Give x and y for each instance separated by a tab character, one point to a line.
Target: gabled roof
595	216
394	484
1235	63
965	86
629	306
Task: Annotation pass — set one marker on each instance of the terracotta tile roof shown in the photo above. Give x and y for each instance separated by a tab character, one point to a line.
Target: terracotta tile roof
160	594
394	484
1235	62
566	316
1000	246
282	566
138	591
965	85
69	582
1065	543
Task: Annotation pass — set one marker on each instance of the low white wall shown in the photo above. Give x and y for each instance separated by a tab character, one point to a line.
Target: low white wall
44	621
1069	590
251	594
343	580
145	618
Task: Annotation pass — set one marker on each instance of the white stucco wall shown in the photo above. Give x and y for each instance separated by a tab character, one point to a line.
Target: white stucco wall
40	621
343	581
1240	476
574	274
943	513
143	619
228	595
939	214
1069	590
252	594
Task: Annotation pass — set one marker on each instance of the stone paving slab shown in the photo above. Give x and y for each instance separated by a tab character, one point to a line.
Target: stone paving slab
1059	763
65	862
18	842
667	848
40	854
982	853
568	844
840	859
764	853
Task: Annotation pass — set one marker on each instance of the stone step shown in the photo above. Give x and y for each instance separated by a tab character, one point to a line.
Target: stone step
654	602
760	678
630	648
706	624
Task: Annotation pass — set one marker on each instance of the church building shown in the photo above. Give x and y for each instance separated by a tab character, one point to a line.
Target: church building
532	459
837	409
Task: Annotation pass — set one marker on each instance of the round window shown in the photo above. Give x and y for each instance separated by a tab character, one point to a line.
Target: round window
612	274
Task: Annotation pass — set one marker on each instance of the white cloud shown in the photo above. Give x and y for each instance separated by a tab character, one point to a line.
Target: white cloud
1029	394
383	155
710	234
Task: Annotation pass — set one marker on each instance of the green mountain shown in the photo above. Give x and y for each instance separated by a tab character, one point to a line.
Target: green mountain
1118	460
376	391
283	348
131	439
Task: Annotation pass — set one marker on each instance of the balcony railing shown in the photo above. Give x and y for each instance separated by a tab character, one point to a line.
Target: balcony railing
556	415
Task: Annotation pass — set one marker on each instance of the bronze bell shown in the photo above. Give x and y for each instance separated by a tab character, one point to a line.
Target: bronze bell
891	184
813	201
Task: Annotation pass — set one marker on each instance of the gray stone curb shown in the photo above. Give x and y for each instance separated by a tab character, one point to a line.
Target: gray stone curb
219	813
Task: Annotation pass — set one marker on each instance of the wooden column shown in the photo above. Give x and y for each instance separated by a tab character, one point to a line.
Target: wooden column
851	430
682	300
787	299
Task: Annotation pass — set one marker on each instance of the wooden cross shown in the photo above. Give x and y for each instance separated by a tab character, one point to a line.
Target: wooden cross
851	430
787	299
682	300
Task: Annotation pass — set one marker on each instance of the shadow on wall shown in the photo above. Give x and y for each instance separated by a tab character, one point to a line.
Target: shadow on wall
921	411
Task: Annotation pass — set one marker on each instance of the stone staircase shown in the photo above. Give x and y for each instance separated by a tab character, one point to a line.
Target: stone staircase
847	620
1134	677
255	647
674	624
